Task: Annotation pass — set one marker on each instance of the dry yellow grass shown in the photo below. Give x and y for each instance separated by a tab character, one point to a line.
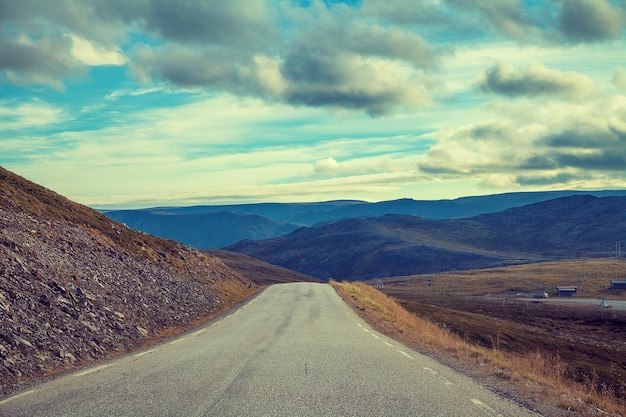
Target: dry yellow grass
537	374
591	276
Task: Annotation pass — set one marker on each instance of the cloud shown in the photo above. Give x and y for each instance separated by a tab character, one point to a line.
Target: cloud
590	20
48	42
190	67
27	115
379	57
408	12
359	166
576	145
44	60
547	180
236	22
89	54
351	82
619	78
507	17
534	80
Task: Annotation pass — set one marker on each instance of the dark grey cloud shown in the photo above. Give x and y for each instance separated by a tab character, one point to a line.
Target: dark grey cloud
490	131
591	20
334	79
507	17
44	60
215	67
582	138
538	162
334	36
233	22
351	64
223	69
542	180
601	161
409	12
534	80
600	147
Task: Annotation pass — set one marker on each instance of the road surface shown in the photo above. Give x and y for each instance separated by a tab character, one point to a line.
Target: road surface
295	350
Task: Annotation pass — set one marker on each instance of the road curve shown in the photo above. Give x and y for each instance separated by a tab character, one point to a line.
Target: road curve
295	350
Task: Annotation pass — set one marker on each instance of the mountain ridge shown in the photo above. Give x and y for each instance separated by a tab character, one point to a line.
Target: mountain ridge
201	226
394	245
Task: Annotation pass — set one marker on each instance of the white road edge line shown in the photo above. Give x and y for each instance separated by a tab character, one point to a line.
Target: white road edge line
484	406
406	354
439	377
199	332
173	342
144	353
15	397
92	370
387	343
375	335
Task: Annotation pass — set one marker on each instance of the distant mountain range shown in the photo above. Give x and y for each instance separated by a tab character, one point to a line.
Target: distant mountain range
212	227
395	245
208	230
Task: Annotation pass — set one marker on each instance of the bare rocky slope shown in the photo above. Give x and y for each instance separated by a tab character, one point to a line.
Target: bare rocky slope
76	286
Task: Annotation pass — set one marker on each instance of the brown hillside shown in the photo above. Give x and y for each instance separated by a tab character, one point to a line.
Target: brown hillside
259	272
76	286
483	307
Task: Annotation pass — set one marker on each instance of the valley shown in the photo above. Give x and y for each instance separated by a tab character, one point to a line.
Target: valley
78	287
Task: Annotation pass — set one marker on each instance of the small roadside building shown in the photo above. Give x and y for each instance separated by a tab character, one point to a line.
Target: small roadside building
618	284
566	291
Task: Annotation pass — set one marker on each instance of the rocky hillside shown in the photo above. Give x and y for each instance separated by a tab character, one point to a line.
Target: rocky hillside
76	286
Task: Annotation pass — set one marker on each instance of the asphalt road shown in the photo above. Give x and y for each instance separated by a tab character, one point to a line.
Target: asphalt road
295	350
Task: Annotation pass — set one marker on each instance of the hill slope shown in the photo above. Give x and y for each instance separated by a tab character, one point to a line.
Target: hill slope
210	227
394	245
202	230
259	272
76	286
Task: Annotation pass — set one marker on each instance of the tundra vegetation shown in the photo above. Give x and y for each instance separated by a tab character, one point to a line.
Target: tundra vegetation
563	359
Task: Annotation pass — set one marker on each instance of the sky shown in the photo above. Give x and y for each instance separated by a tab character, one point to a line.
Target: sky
142	103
